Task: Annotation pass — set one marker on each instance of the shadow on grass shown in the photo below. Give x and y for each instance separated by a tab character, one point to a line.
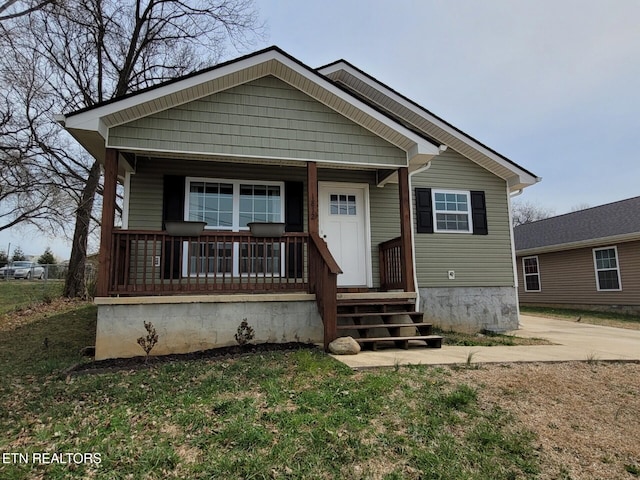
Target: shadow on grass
48	344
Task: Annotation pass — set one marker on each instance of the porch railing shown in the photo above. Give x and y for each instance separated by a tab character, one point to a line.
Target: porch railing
391	265
154	263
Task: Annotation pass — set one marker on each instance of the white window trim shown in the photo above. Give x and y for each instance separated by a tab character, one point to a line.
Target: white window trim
235	224
435	211
236	199
617	269
525	275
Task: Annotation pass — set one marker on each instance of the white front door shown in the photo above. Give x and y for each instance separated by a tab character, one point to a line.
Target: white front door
343	212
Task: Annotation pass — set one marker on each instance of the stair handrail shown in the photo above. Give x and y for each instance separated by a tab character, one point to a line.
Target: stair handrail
323	282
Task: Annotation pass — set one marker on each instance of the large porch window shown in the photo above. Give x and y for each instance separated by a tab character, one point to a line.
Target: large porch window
231	205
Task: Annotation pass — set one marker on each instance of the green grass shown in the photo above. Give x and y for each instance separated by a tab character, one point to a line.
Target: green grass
275	415
586	316
452	338
20	294
49	343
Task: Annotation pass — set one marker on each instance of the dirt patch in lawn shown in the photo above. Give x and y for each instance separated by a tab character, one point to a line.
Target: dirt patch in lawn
585	415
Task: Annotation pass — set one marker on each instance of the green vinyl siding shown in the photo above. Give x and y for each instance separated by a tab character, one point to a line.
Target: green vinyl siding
478	260
263	118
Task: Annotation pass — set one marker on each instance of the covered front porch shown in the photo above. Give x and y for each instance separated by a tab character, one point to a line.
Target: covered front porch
156	263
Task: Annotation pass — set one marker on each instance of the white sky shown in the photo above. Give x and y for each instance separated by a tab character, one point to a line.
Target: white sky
551	84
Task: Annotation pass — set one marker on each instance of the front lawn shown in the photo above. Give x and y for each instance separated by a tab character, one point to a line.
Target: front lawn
275	415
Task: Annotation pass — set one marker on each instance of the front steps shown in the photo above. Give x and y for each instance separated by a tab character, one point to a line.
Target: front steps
384	318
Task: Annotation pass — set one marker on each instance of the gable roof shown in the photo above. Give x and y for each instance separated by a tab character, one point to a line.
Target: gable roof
613	222
416	116
420	139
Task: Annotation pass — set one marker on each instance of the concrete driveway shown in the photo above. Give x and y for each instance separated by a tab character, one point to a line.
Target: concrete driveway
571	341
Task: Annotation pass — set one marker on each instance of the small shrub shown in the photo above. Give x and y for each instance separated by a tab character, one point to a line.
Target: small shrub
147	343
245	333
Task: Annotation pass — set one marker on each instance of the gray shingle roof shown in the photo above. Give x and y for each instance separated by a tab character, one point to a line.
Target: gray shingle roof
618	218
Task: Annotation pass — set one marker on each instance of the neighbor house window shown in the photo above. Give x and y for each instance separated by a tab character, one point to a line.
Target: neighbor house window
607	268
531	271
231	205
452	211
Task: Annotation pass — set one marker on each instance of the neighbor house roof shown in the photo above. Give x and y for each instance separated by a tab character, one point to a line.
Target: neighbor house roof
610	223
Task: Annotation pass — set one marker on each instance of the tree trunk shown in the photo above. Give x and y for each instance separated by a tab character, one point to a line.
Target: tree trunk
75	284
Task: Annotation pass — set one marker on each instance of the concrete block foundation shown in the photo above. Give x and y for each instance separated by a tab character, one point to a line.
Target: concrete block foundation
471	309
196	323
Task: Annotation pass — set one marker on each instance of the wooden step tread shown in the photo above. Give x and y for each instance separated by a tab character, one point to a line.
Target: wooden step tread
377	314
383	301
432	341
396	339
383	325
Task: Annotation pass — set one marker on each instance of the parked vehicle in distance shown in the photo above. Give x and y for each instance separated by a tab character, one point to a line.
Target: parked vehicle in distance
21	269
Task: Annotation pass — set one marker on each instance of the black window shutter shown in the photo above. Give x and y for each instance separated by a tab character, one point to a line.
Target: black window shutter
479	213
293	206
424	214
294	222
172	211
173	199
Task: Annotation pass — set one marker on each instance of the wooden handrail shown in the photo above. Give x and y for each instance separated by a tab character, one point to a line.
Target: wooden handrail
323	249
323	281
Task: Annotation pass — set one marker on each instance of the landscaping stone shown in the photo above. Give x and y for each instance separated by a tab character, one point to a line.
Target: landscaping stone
344	346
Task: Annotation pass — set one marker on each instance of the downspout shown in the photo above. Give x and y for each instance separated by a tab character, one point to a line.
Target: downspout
513	249
423	168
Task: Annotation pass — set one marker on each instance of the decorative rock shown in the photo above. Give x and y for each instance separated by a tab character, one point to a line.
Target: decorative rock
344	346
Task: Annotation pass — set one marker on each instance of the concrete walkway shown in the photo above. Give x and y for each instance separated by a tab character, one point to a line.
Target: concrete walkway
572	341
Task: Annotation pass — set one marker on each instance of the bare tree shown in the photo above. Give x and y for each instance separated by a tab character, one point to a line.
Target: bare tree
527	212
17	8
580	206
92	51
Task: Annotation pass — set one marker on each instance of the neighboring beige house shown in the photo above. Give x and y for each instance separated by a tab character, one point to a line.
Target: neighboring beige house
586	259
391	215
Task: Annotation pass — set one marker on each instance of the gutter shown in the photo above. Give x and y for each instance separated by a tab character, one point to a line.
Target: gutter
592	242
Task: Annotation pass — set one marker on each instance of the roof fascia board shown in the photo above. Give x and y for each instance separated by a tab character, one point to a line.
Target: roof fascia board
90	119
593	242
525	176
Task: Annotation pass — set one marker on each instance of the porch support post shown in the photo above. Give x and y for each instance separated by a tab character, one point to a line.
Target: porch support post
312	197
406	255
108	219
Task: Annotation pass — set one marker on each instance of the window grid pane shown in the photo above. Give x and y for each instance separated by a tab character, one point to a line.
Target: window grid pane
452	211
211	203
608	280
342	204
259	203
607	269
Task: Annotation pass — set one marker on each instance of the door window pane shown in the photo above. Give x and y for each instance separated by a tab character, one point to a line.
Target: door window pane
342	204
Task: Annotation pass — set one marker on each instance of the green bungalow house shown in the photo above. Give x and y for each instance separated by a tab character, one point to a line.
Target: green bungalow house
314	203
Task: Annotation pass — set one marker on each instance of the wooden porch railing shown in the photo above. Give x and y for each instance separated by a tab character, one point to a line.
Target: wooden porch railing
323	281
391	265
154	263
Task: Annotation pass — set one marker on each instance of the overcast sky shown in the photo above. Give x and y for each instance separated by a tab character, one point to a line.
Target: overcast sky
551	84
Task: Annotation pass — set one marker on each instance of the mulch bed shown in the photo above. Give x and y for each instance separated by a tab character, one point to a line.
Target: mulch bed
223	353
